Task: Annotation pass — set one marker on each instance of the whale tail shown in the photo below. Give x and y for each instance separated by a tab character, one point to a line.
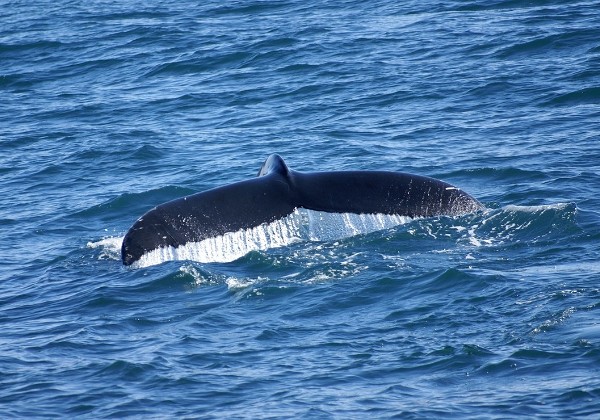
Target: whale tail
277	191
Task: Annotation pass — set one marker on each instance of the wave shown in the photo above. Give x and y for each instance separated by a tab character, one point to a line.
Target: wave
524	224
110	247
139	201
585	96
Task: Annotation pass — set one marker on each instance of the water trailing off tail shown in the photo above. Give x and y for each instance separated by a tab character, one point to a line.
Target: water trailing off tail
277	193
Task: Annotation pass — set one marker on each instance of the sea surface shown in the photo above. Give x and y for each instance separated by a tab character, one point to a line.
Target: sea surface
110	108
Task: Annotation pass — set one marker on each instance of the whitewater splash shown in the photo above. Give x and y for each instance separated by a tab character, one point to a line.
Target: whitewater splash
301	225
110	247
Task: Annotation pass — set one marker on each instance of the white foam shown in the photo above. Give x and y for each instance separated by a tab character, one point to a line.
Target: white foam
113	242
533	209
300	225
110	247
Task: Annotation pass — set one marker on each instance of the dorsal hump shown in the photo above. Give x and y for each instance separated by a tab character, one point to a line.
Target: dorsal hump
274	164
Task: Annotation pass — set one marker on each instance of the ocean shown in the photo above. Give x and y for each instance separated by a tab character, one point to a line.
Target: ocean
110	108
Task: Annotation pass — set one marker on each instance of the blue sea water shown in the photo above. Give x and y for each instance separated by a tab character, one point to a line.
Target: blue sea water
110	108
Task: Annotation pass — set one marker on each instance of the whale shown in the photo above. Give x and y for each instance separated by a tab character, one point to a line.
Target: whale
277	192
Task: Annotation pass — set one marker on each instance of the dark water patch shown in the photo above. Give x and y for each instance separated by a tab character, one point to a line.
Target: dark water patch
16	81
588	71
85	67
204	61
8	222
127	139
49	172
254	8
273	335
276	44
130	202
505	367
477	6
93	154
563	41
586	96
572	401
493	88
148	152
39	46
155	15
451	282
506	174
125	370
177	68
413	314
534	354
300	68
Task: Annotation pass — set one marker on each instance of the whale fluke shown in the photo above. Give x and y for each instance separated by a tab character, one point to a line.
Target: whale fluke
277	192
